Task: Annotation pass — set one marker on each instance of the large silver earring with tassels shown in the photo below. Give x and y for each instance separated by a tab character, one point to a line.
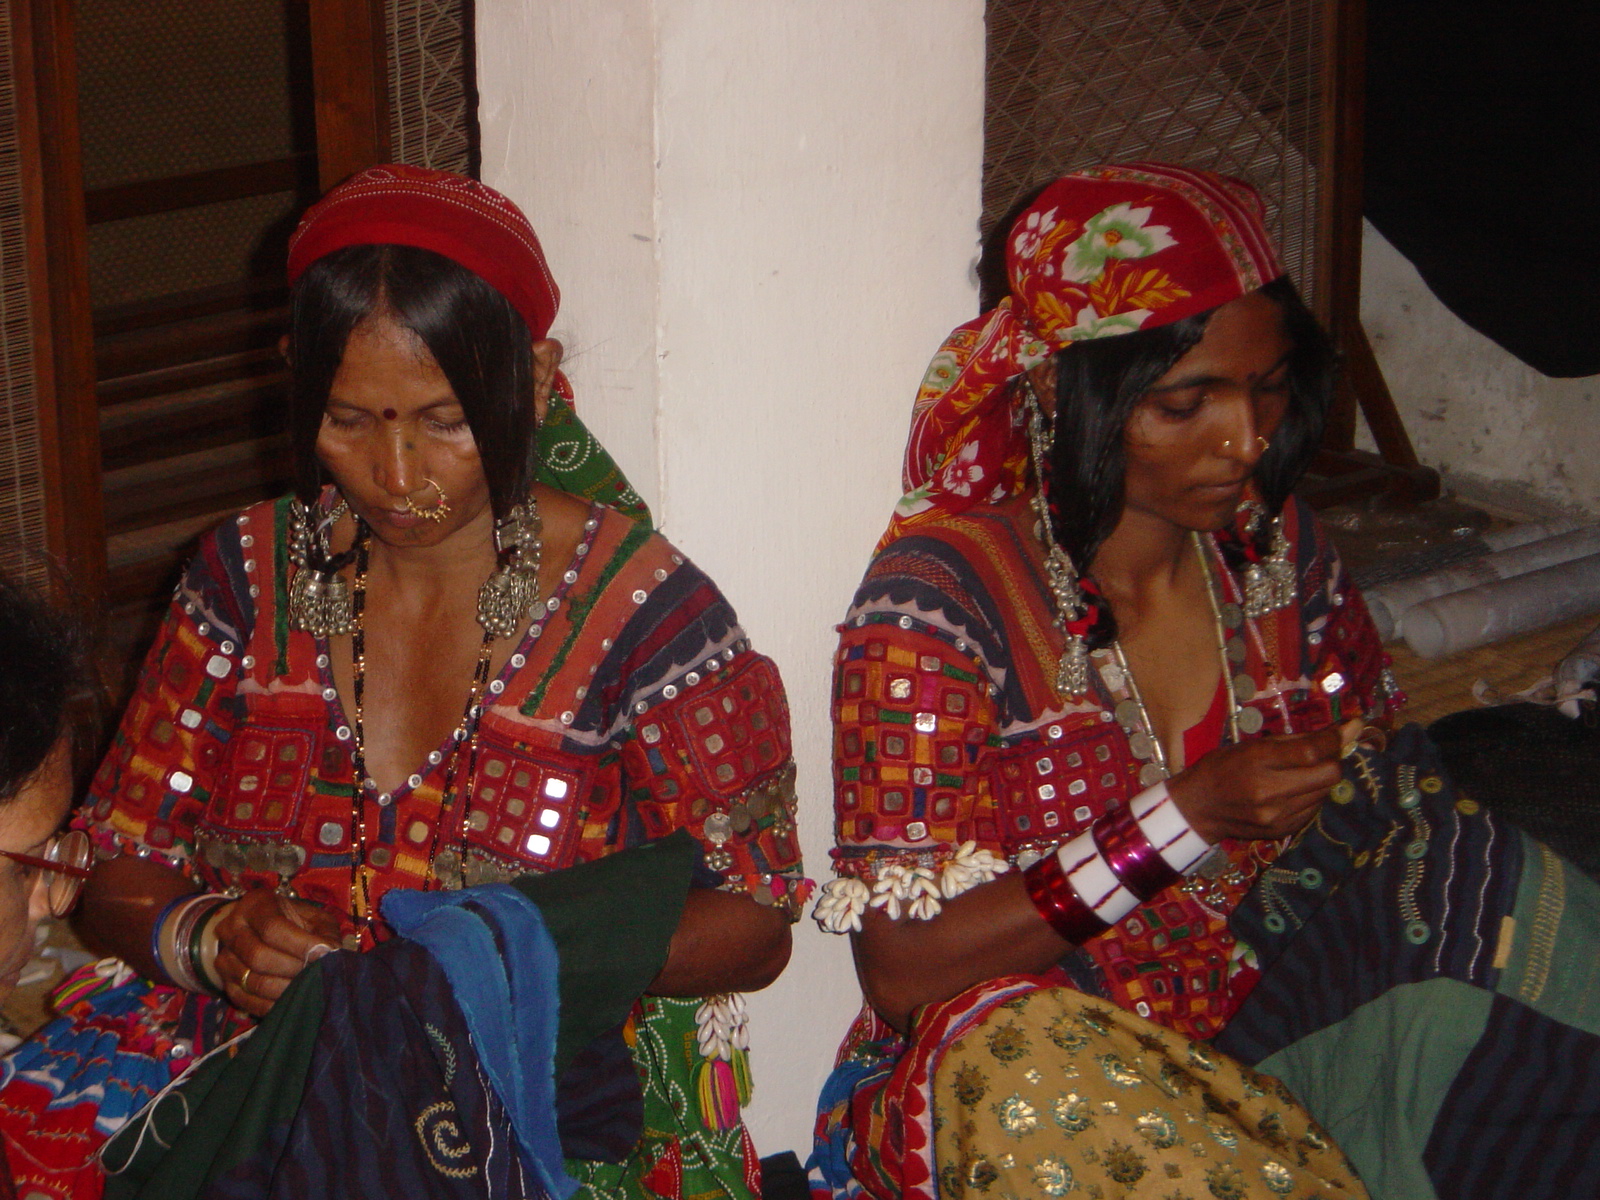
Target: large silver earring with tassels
1072	669
509	595
1269	584
319	598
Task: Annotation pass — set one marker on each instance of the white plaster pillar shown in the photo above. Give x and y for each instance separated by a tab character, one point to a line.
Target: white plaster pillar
763	219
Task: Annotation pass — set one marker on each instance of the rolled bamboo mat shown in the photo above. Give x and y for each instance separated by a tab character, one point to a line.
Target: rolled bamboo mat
1444	685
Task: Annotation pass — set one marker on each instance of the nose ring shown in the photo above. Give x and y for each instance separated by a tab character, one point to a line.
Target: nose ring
1262	443
1226	443
436	512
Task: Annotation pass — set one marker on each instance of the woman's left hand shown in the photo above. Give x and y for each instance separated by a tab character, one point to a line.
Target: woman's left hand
264	940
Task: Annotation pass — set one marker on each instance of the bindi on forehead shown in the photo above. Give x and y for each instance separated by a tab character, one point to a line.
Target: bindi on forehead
389	414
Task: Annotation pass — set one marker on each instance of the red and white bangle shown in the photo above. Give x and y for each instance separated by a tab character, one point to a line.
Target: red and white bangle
1167	830
1125	858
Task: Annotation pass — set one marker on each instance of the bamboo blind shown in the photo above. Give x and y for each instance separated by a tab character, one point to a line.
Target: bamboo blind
430	119
1232	87
22	522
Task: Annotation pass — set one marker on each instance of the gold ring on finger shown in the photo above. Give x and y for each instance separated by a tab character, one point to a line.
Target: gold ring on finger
244	980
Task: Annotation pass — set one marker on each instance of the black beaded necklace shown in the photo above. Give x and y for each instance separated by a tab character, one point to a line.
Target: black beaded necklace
464	751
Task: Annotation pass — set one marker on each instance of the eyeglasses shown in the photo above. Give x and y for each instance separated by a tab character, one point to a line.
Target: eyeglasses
65	861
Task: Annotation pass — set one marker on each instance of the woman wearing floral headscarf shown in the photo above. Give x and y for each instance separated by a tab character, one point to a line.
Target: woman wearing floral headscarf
1091	700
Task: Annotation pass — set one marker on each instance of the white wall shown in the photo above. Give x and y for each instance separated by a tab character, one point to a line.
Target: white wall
763	218
567	93
1496	427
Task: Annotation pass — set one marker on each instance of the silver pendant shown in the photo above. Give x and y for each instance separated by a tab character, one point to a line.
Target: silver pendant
320	604
509	595
1072	671
319	600
504	599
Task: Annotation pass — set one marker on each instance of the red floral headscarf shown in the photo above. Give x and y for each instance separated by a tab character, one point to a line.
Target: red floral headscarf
1101	252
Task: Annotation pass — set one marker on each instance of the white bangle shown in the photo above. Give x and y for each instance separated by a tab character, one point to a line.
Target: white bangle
1168	830
1090	876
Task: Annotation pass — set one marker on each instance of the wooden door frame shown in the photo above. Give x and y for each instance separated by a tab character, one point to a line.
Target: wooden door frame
46	82
349	68
1362	389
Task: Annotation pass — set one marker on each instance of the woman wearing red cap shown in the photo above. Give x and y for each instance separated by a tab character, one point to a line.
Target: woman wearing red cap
1091	701
455	655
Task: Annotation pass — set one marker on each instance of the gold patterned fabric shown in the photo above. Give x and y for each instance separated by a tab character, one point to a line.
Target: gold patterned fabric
1056	1093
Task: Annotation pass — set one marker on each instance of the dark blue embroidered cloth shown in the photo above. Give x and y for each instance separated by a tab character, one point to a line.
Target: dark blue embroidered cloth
1429	989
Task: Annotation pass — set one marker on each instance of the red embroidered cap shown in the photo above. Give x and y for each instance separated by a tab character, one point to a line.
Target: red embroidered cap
460	218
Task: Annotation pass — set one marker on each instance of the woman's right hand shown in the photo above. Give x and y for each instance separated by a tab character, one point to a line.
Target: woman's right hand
264	940
1267	788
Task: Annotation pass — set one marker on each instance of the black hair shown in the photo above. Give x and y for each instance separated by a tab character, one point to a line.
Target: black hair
479	340
1099	382
43	675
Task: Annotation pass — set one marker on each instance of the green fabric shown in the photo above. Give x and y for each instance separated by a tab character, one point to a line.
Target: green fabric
635	899
1558	908
1379	1113
664	1050
232	1105
567	457
611	921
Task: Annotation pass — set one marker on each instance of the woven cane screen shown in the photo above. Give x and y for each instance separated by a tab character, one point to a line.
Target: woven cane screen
1231	87
430	118
22	532
169	87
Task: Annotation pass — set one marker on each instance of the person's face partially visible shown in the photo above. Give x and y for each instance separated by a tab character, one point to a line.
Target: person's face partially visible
1196	436
27	823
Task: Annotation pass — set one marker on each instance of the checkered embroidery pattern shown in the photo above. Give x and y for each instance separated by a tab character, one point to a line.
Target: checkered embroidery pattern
717	762
911	717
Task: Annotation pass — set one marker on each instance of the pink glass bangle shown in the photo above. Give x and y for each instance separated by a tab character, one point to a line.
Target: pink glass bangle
1058	902
1135	862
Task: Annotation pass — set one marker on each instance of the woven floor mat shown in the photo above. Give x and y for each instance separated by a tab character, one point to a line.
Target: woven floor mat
1444	685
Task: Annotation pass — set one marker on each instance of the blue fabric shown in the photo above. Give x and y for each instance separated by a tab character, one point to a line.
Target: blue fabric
82	1061
828	1170
503	966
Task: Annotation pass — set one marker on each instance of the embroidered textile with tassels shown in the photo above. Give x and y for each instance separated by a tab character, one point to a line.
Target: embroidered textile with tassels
722	1080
